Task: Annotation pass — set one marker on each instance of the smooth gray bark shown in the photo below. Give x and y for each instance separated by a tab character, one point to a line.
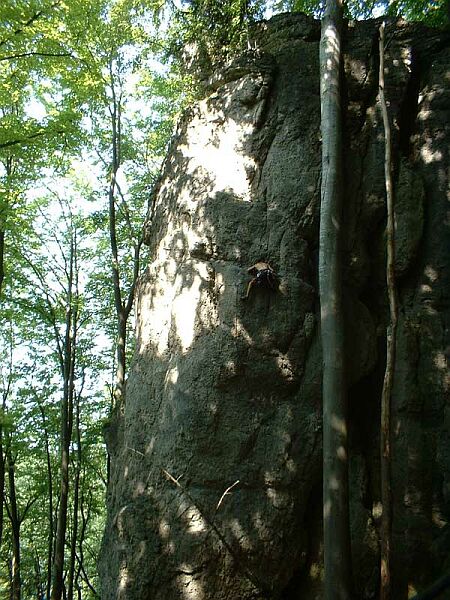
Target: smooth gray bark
335	458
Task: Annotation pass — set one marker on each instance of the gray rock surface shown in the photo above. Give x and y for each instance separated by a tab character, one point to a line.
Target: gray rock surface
215	489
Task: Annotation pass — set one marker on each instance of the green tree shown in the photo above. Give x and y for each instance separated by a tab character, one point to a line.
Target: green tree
48	308
208	31
68	84
434	13
128	138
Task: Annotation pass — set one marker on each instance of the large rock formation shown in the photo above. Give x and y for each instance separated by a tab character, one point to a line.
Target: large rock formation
216	482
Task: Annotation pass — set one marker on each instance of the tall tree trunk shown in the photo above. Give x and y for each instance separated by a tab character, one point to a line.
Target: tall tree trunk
40	594
385	429
115	113
15	531
2	259
2	480
123	301
76	495
120	316
68	368
85	512
51	531
3	450
9	165
337	561
61	523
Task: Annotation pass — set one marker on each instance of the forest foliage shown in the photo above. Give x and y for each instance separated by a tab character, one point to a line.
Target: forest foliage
89	94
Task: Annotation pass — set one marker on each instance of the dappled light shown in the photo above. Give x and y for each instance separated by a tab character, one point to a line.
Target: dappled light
278	426
429	155
184	309
218	494
189	586
240	535
339	425
123	580
194	521
217	156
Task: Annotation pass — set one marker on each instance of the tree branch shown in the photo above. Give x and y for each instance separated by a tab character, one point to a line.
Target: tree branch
32	136
29	22
28	54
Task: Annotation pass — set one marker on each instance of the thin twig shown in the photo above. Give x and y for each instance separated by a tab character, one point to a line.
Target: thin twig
251	577
226	492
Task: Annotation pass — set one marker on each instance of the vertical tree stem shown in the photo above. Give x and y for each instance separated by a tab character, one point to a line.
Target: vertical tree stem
385	428
337	560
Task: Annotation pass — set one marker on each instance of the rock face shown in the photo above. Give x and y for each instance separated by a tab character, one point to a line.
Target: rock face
215	490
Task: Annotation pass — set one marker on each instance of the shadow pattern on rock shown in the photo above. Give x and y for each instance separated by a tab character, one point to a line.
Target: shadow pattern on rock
215	488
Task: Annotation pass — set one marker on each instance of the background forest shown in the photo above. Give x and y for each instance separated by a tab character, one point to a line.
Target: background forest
89	94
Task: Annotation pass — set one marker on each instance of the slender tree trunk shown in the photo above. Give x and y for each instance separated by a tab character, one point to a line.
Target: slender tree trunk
385	429
8	165
2	482
51	531
72	562
2	259
61	524
66	425
76	494
39	583
121	334
15	532
337	561
119	306
85	518
123	301
121	309
121	354
3	451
